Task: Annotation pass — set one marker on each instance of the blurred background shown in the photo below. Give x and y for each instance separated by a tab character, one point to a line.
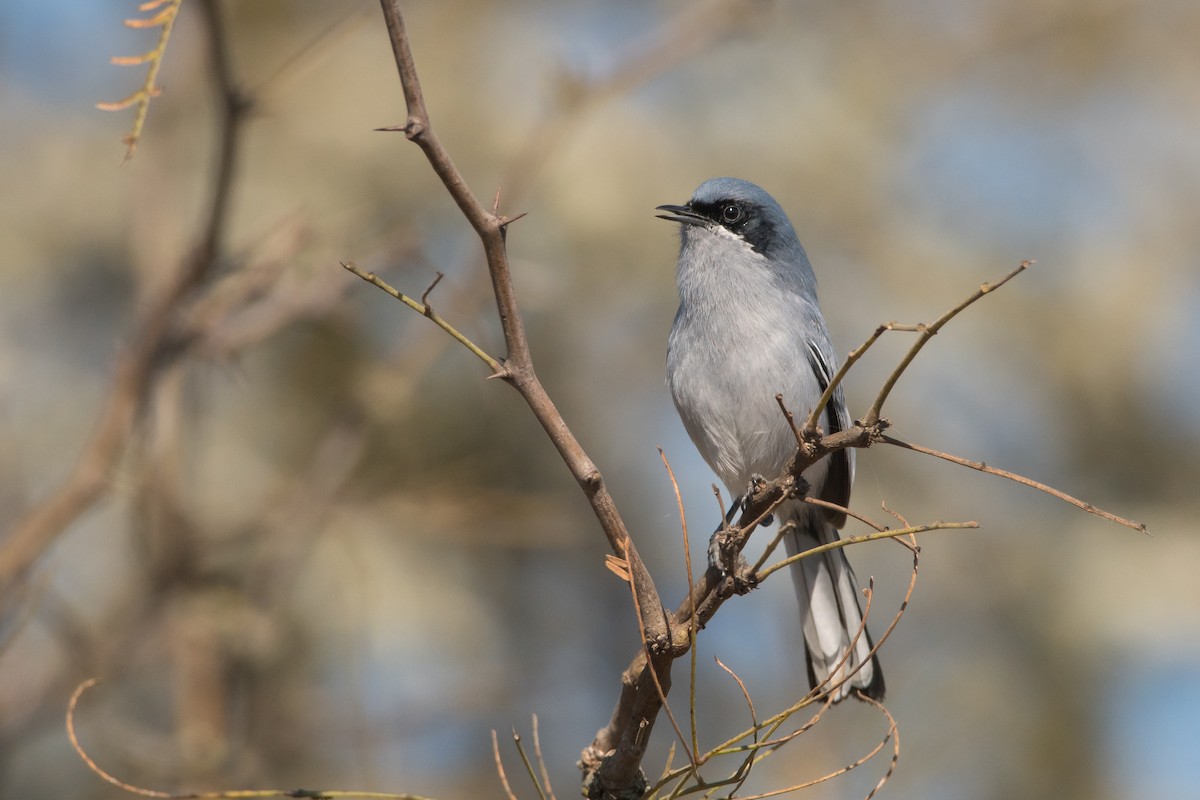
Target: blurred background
331	555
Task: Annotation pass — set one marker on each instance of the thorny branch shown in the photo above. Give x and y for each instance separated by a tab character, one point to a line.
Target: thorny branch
518	371
517	368
423	307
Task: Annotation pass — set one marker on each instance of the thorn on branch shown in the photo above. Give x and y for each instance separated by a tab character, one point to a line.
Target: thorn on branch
425	294
412	129
498	369
716	490
506	221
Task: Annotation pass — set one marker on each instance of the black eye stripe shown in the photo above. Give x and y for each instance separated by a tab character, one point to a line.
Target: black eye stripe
731	214
749	222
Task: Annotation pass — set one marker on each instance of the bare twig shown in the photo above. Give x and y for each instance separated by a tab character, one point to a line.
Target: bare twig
754	752
72	704
541	761
716	490
508	792
791	421
784	529
928	332
687	561
816	501
422	306
894	734
425	295
518	365
297	65
528	765
768	745
814	416
1021	479
745	694
867	537
824	778
743	772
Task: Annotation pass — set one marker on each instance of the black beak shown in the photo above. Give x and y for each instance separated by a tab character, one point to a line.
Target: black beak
681	214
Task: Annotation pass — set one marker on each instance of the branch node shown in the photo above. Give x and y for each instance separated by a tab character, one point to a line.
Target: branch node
412	129
592	480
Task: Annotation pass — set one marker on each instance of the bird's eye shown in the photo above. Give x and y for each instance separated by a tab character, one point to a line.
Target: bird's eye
731	213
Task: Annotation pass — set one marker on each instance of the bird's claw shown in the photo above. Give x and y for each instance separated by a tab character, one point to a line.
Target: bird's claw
728	562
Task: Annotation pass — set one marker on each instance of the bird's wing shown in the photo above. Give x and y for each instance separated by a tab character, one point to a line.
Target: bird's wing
837	418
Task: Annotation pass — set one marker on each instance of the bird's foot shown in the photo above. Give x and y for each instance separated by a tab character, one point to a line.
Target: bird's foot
756	485
725	557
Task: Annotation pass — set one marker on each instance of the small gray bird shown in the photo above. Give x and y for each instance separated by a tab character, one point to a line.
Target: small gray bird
748	328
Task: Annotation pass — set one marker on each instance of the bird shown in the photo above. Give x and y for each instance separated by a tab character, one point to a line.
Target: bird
749	328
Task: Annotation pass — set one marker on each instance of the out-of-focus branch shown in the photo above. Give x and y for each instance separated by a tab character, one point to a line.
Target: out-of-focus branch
152	347
232	794
691	30
164	18
262	296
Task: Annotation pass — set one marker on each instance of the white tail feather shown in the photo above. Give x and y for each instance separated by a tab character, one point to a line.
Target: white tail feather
830	612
